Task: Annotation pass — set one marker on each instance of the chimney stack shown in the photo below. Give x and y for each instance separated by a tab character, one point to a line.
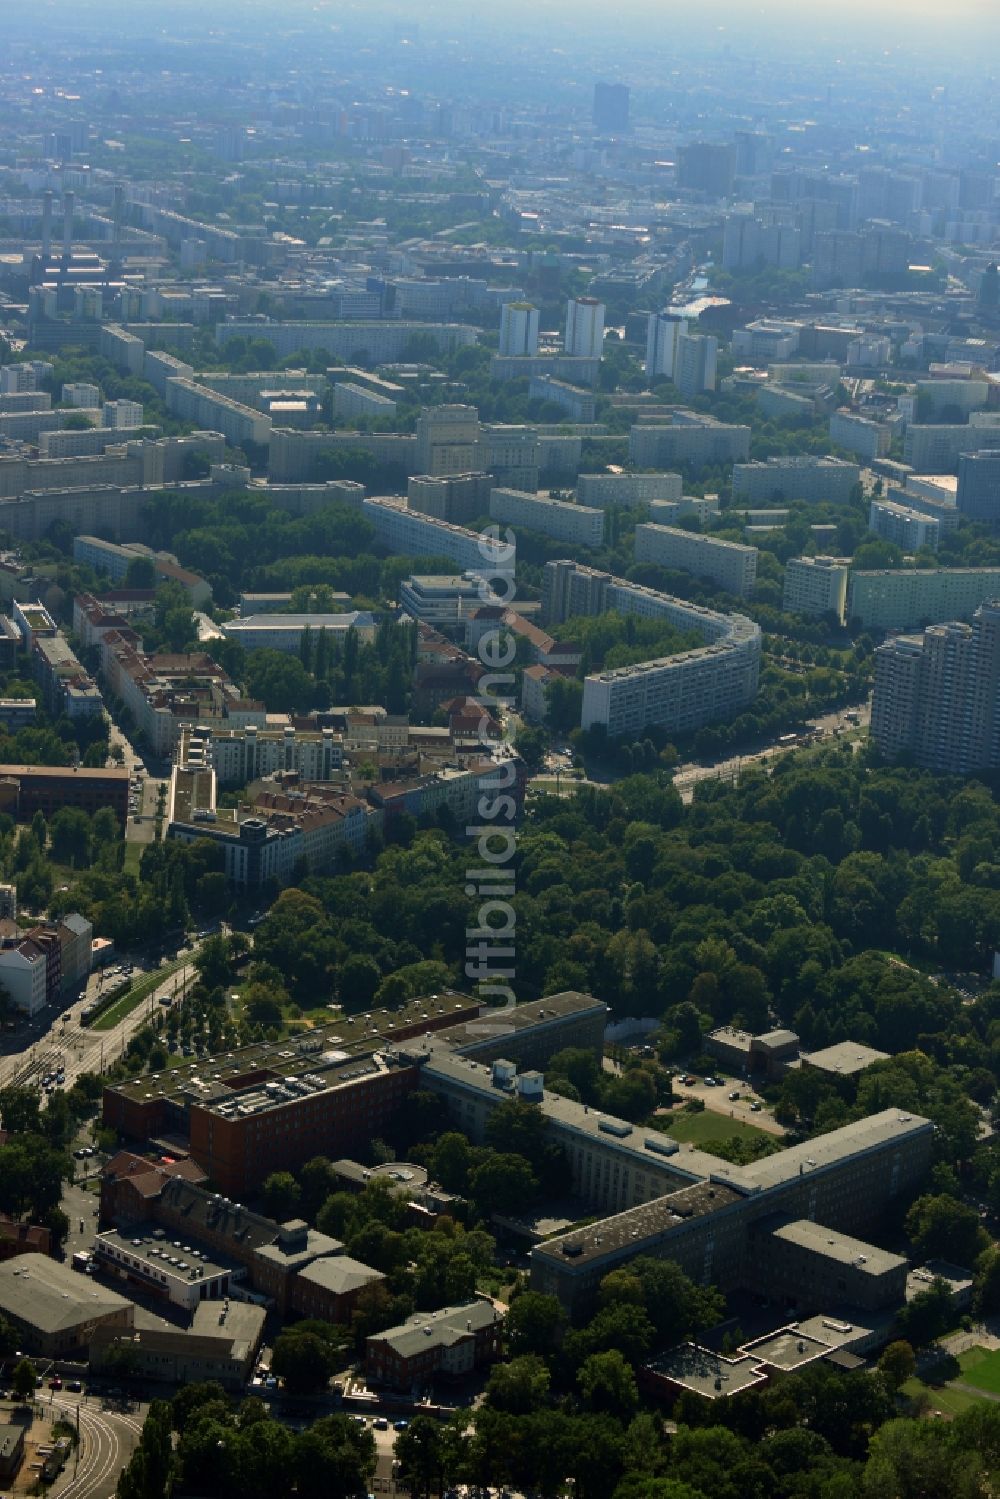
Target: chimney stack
47	223
69	200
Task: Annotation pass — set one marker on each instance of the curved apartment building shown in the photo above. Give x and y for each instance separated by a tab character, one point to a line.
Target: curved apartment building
682	692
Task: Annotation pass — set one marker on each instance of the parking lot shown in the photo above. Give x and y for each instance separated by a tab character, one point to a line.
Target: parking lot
749	1107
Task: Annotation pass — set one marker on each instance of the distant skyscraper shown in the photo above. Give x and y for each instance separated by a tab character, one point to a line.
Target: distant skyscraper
611	103
694	365
938	697
584	327
518	329
229	143
989	287
662	333
978	495
706	168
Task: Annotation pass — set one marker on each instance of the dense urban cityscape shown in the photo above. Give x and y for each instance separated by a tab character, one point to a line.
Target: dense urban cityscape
499	752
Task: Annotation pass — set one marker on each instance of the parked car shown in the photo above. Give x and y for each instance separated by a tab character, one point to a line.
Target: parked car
755	1108
380	1423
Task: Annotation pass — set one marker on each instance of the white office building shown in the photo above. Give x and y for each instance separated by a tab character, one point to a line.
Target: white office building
22	973
665	512
662	332
410	533
284	632
15	379
727	564
518	330
695	364
797	477
241	755
688	438
237	423
908	528
81	394
859	435
556	518
351	400
766	340
907	597
584	328
610	491
122	413
449	441
441	601
816	585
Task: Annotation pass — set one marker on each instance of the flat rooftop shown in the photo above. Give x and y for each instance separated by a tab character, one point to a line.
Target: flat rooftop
295	622
640	1225
788	1348
347	1034
259	1098
497	1022
160	1254
845	1057
193	791
77	772
240	1321
872	1133
728	1035
707	1373
649	1146
425	582
841	1248
717	1183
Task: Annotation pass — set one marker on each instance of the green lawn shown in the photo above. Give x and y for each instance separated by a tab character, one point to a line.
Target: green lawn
981	1368
940	1397
695	1128
133	856
135	996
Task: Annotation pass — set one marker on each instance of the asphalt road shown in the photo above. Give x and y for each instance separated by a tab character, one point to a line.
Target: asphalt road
107	1441
687	776
78	1049
144	831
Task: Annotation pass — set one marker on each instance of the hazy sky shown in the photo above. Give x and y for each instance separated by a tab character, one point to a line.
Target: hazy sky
964	33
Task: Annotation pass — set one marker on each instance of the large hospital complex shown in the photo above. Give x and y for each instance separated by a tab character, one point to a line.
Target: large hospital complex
785	1222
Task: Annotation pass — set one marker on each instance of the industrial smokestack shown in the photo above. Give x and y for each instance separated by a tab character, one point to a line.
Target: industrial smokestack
69	199
47	223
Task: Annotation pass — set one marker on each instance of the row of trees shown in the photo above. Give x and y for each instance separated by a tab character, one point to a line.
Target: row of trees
34	1159
202	1442
818	1434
